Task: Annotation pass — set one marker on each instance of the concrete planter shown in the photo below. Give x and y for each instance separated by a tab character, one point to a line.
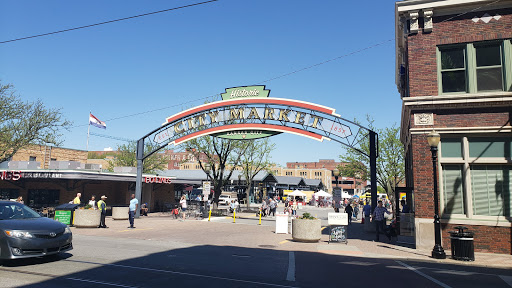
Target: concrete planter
305	230
120	213
85	218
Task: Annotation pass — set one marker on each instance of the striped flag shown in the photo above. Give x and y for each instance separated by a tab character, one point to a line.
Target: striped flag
96	122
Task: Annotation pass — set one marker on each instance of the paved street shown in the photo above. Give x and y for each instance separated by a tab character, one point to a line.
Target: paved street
163	252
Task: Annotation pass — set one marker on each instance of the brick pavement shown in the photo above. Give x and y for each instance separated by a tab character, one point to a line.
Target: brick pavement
162	227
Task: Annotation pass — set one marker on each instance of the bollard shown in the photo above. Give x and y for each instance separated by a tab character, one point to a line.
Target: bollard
260	218
234	217
210	213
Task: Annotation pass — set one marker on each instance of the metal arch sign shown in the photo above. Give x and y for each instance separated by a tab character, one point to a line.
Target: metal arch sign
248	113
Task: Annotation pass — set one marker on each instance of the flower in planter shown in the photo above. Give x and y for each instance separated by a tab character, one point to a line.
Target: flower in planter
307	216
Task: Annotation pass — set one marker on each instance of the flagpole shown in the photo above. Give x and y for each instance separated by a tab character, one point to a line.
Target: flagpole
88	128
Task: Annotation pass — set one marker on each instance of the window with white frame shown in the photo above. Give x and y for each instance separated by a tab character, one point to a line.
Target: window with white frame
475	67
476	176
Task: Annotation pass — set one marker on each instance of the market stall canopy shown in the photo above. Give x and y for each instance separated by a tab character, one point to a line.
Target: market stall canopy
297	193
322	193
345	195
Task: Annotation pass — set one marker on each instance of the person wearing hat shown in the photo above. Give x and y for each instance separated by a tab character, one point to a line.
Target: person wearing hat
103	207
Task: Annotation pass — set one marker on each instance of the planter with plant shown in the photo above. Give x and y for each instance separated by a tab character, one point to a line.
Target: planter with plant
306	228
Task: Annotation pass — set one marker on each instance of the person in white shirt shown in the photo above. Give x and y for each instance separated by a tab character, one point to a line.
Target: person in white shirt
183	204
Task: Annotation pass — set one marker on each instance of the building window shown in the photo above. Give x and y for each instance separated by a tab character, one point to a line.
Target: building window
44	197
475	67
477	183
289	174
32	158
8	194
453	70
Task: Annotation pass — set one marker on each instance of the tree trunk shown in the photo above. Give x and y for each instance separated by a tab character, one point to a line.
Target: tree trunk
248	197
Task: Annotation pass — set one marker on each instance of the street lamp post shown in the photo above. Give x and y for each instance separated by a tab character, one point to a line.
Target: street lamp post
207	171
336	173
433	139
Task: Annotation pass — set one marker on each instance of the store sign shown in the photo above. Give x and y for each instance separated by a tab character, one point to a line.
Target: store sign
207	186
10	175
245	92
157	179
63	216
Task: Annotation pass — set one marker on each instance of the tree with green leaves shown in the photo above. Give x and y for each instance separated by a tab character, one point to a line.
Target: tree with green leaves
255	157
390	163
218	155
26	123
125	157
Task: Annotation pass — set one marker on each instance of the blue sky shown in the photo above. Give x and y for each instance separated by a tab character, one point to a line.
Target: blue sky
171	61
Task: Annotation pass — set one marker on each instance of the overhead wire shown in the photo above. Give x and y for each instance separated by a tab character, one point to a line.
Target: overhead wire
107	22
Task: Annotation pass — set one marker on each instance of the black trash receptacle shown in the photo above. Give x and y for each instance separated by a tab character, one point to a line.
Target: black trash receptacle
463	247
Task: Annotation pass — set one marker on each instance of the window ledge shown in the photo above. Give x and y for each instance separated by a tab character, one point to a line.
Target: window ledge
501	222
459	98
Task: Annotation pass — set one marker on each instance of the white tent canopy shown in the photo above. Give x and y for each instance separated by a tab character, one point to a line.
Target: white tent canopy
297	193
345	195
322	193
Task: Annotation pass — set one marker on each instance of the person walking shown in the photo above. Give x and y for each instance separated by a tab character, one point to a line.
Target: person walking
103	208
349	210
378	217
183	204
273	207
264	207
134	205
294	207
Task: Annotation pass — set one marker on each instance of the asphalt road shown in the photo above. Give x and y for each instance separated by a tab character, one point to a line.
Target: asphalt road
172	256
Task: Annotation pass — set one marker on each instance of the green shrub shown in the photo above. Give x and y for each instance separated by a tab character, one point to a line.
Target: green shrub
308	216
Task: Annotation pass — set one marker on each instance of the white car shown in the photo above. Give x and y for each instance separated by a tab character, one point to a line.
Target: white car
224	199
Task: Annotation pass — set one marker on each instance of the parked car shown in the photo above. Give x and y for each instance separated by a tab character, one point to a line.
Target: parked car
225	199
24	233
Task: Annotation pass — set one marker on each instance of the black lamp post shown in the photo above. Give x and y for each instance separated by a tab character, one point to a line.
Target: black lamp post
336	173
433	139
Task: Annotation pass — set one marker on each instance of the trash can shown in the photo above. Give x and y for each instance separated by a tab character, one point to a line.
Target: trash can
64	213
463	247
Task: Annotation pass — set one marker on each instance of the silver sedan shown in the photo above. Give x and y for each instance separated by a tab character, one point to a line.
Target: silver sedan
24	233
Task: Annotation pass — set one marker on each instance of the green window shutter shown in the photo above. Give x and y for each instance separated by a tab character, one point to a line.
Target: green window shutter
452	190
491	190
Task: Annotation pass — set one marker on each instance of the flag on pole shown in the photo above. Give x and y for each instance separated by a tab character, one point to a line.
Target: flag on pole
96	122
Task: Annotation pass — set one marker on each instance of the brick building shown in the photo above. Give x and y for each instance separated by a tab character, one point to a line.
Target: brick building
323	170
454	75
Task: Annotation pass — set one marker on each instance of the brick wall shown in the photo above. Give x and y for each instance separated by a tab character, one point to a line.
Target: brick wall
40	152
422	46
423	177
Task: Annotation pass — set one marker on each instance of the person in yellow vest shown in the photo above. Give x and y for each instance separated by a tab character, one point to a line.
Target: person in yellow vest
102	206
77	198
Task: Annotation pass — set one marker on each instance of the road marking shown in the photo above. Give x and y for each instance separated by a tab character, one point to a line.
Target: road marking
66	278
284	241
323	228
423	274
290	276
136	230
185	274
507	279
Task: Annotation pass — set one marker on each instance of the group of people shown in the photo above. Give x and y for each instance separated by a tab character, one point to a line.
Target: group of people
102	206
268	206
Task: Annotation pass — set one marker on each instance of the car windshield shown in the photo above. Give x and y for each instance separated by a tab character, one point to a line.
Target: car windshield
16	211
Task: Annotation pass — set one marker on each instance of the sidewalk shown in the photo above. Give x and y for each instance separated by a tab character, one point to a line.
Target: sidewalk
362	244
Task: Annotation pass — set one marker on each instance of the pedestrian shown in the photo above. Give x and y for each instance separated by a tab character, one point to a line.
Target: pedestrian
356	210
378	218
77	198
20	200
237	206
232	206
92	202
264	207
294	207
367	210
349	210
405	207
144	209
134	205
183	204
103	208
273	207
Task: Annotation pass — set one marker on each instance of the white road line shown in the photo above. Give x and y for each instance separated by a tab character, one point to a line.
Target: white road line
99	282
290	276
424	275
185	274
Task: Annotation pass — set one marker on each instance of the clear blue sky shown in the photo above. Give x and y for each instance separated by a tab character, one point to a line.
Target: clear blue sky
169	59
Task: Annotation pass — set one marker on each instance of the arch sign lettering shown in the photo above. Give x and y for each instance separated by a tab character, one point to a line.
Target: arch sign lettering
247	113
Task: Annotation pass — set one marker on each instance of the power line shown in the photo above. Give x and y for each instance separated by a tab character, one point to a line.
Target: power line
113	137
107	22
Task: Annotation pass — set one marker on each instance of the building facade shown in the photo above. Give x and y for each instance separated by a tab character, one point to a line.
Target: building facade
454	75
